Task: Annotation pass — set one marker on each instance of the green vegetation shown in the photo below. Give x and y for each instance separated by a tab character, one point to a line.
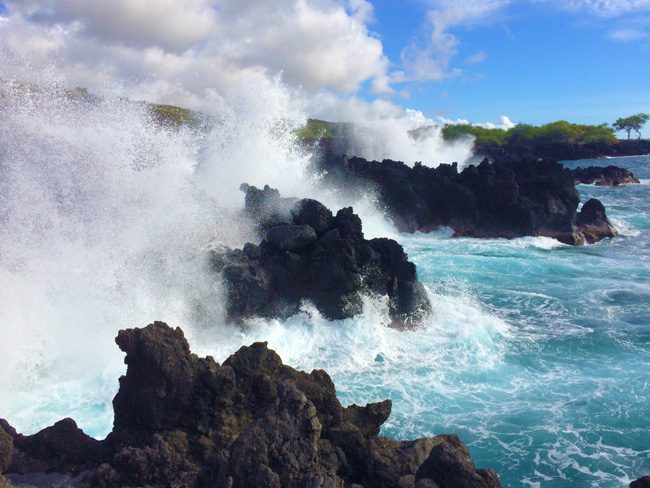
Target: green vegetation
554	132
451	132
175	116
317	129
631	123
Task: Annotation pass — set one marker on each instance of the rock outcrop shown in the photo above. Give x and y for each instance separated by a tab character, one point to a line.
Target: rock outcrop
308	253
604	176
593	222
500	199
185	421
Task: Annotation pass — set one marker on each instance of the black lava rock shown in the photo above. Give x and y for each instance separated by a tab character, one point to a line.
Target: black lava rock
251	422
500	199
604	176
321	258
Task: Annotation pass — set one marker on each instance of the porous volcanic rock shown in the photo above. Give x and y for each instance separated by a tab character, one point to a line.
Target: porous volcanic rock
185	421
604	176
593	222
492	199
316	256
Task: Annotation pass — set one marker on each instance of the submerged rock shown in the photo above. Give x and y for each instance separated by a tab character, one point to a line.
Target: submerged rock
604	176
500	199
317	257
185	421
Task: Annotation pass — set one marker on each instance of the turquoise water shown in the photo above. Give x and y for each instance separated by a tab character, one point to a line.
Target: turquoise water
567	402
537	354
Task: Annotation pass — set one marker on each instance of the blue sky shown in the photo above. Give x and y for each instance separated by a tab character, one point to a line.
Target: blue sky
535	61
539	64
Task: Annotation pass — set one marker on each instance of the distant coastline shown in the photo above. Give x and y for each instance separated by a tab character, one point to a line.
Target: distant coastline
563	151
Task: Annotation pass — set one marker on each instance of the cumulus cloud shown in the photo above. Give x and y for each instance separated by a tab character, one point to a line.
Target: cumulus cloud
172	51
316	44
504	123
169	24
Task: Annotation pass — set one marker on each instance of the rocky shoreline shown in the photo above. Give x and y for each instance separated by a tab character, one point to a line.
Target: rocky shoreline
493	199
185	421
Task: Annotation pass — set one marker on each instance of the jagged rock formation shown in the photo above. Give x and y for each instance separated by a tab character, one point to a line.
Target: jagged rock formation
500	199
308	253
604	176
185	421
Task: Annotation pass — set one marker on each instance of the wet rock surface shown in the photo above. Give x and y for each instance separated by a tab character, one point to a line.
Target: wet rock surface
317	256
183	421
500	199
604	176
593	222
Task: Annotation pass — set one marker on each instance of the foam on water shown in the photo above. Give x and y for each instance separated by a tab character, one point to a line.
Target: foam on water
568	404
536	353
107	217
370	361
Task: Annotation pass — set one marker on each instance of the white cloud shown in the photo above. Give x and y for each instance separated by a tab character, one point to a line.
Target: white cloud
478	57
607	8
173	50
169	24
504	123
627	35
316	44
621	17
432	60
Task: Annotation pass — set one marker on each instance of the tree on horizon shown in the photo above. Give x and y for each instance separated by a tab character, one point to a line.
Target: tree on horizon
631	123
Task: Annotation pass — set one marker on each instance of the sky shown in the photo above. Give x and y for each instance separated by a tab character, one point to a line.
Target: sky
534	61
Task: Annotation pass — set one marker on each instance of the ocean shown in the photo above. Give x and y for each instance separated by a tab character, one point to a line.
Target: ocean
537	354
